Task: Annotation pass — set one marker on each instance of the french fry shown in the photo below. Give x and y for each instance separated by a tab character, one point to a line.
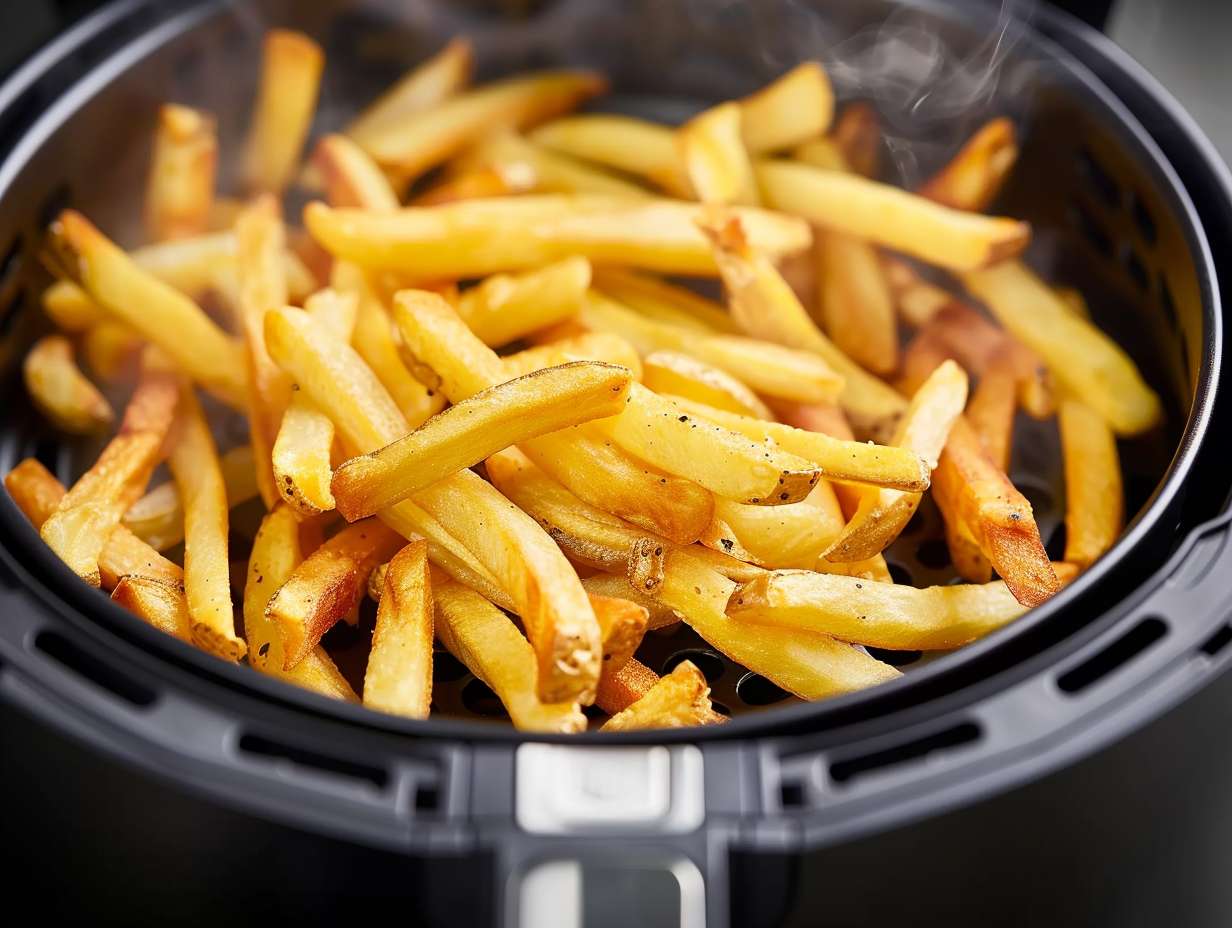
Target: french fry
423	139
663	301
794	535
588	346
972	180
618	691
351	178
506	307
158	517
678	374
918	299
714	159
1073	299
1094	496
788	111
71	308
856	308
157	602
890	217
622	624
489	644
468	432
885	615
193	462
523	165
634	146
477	185
161	314
679	700
276	553
857	134
61	391
617	586
926	352
78	530
399	675
991	412
282	115
475	238
971	491
883	513
824	153
1085	361
111	350
38	494
180	190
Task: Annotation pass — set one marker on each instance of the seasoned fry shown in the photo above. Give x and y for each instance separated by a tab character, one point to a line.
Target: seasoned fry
794	535
37	494
475	238
276	552
622	624
507	307
180	190
1085	361
857	134
399	675
973	179
663	301
157	602
61	391
856	308
890	217
885	615
282	115
487	642
523	165
158	517
614	586
679	700
1094	497
991	412
588	346
481	425
618	691
883	513
162	315
678	374
193	462
790	110
352	179
714	159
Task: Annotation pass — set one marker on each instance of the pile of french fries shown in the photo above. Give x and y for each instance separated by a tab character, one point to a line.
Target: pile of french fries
478	392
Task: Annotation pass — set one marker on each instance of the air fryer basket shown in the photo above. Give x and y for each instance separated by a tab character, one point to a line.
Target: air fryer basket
1110	216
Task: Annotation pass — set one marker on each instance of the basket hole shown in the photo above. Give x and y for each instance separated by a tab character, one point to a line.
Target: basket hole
1218	641
1168	305
479	698
1100	180
720	708
792	794
756	690
101	674
268	748
894	658
709	663
427	797
934	553
899	573
1090	229
54	204
446	668
10	262
1135	268
1113	656
844	771
1143	219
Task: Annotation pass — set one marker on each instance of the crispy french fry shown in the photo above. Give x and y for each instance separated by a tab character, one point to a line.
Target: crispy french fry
714	159
399	675
111	350
479	237
489	644
523	165
991	412
663	301
794	535
193	462
276	553
282	115
885	615
679	700
857	134
158	602
883	513
588	346
180	190
856	307
161	314
78	530
617	586
973	179
506	307
38	494
678	374
61	391
622	624
427	85
1085	361
1094	497
790	110
618	691
890	217
634	146
158	517
467	433
352	179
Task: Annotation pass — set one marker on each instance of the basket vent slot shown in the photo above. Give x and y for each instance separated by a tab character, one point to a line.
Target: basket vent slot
848	769
260	746
709	663
756	690
427	797
1091	230
1100	180
87	665
1143	220
1218	641
792	794
1115	655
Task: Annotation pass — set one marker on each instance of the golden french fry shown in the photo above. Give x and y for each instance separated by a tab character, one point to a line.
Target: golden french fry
918	299
427	85
618	691
663	301
489	644
634	146
276	552
926	352
1094	497
885	615
158	517
1085	361
484	423
351	178
617	586
883	513
474	238
972	180
193	462
679	700
824	153
161	314
158	602
991	411
38	494
282	115
856	308
794	535
477	185
588	346
890	217
857	134
111	350
71	308
399	675
506	307
788	111
714	159
180	190
61	391
678	374
523	165
622	624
